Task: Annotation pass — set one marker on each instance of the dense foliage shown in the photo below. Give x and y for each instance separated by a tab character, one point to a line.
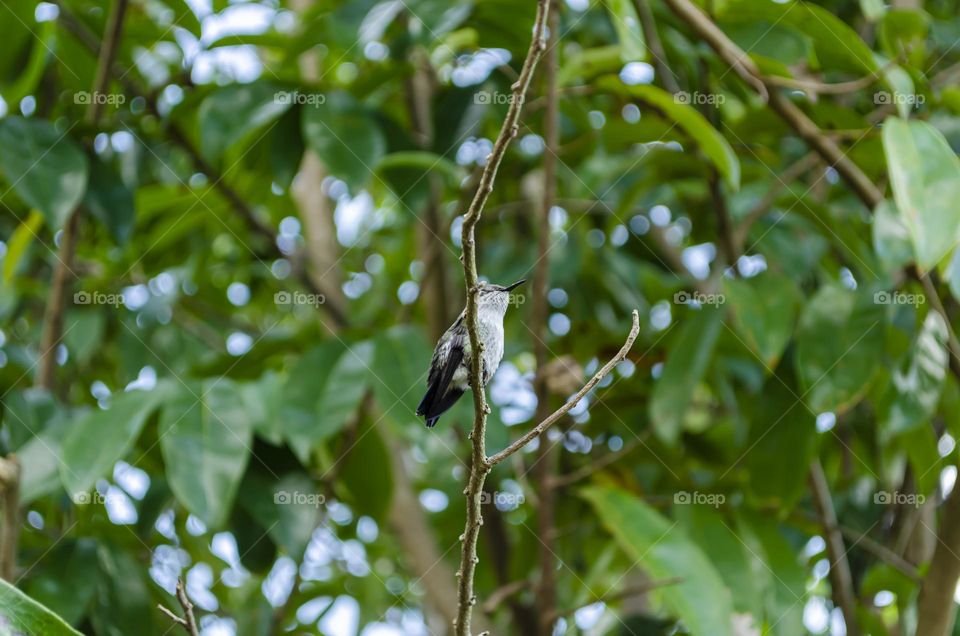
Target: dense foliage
253	224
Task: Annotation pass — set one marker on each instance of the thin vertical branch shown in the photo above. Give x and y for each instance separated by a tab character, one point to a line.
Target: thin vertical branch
479	467
63	268
841	581
189	621
10	532
546	454
650	34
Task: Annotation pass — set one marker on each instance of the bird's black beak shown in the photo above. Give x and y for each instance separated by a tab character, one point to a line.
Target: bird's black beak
516	284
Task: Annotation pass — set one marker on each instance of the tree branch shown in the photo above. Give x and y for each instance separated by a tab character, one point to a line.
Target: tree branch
10	532
479	467
841	581
63	267
536	431
189	622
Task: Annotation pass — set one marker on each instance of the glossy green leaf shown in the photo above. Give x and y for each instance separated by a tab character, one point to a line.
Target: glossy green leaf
713	145
345	137
366	472
20	614
110	201
689	357
891	237
19	242
925	176
230	113
918	384
206	435
661	549
765	309
629	33
401	358
44	166
94	443
301	394
839	344
345	387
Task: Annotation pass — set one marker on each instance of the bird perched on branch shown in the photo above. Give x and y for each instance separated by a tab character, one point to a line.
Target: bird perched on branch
451	365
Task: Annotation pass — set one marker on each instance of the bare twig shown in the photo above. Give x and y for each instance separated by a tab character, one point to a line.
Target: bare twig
841	581
10	532
536	431
650	34
188	622
63	267
479	466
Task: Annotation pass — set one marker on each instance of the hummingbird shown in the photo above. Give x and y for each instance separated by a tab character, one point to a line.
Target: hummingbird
451	365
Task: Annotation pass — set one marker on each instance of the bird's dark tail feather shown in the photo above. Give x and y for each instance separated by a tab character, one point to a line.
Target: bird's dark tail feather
433	406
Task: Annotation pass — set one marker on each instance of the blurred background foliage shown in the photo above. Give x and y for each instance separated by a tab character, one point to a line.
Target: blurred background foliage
266	214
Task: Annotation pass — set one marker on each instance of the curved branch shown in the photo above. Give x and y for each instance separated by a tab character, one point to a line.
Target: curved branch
537	430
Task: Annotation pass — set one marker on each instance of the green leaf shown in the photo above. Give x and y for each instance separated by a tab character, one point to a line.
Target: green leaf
122	595
425	162
663	551
764	308
228	114
20	240
918	384
401	357
301	394
891	237
345	137
778	572
94	444
713	145
27	413
839	340
366	471
925	175
44	166
685	366
206	435
627	26
110	201
783	439
61	579
289	508
185	17
23	615
341	395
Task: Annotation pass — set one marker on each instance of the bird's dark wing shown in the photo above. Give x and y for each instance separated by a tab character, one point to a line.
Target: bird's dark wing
447	357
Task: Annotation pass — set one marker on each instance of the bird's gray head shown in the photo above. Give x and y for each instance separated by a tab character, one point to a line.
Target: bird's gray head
495	297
